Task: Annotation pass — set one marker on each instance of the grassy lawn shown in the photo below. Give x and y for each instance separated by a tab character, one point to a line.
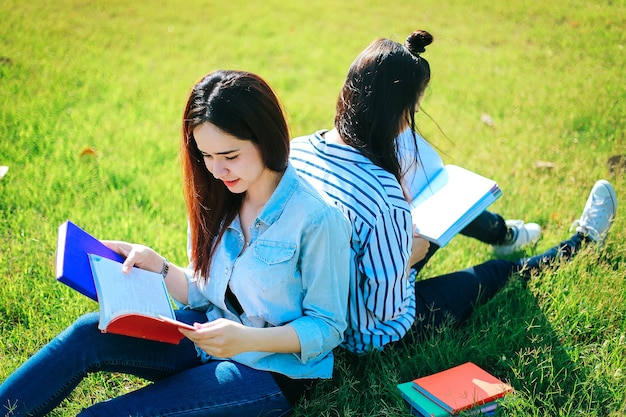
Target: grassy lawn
91	96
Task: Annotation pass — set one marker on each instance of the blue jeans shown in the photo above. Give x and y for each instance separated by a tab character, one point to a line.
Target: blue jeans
182	384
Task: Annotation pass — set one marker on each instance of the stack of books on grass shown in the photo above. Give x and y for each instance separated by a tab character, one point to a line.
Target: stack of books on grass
463	390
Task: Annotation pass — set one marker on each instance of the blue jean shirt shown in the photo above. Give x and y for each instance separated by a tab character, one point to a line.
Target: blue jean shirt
295	271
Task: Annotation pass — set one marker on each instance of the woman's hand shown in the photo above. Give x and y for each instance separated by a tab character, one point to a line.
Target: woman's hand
224	338
418	250
136	255
221	338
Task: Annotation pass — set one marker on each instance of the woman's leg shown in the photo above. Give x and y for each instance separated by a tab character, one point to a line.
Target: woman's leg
565	250
492	229
506	237
217	388
453	297
44	380
488	227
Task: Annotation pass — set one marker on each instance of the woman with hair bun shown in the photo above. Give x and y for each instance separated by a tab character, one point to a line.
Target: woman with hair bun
265	290
360	168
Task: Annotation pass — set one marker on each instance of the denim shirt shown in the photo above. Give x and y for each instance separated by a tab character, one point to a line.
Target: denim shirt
295	271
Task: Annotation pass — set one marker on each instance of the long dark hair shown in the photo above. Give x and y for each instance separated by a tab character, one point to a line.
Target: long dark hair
381	90
243	105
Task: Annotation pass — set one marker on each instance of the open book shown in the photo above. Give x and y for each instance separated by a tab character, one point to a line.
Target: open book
451	199
135	304
444	198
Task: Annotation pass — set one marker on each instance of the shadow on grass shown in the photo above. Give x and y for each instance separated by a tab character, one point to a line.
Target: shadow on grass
510	336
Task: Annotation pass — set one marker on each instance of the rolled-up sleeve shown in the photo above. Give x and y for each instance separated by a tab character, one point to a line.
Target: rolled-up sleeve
195	299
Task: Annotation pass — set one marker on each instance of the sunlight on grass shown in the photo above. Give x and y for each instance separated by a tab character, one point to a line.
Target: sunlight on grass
529	93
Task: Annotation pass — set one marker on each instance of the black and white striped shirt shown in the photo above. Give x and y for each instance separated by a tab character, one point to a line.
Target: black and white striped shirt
381	305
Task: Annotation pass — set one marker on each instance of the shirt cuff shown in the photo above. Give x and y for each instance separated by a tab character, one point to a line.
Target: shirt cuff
314	345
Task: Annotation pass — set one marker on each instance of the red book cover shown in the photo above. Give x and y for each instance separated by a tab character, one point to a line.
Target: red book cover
160	329
462	387
134	304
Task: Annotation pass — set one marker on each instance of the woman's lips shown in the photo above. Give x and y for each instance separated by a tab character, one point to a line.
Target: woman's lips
230	184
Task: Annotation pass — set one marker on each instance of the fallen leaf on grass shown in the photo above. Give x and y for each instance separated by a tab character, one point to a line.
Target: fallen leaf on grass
88	152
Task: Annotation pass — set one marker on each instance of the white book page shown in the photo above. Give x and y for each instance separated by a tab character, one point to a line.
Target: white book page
139	291
452	194
419	164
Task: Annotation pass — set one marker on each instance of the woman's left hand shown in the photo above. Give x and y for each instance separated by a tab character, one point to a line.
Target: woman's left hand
221	338
419	250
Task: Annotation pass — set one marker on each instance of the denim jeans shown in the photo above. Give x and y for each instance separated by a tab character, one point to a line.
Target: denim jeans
454	296
182	384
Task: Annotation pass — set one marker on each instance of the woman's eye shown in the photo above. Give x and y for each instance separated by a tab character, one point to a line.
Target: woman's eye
230	158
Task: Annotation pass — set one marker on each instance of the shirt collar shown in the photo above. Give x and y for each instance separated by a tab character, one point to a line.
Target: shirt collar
275	206
337	150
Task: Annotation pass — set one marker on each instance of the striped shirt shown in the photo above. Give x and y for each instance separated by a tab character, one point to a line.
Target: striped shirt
381	305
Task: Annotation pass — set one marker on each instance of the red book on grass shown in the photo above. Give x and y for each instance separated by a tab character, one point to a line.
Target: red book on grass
462	387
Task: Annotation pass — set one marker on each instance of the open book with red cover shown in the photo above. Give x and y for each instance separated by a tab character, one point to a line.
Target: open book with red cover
134	304
462	387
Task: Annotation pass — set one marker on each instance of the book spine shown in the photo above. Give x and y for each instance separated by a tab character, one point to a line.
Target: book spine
434	399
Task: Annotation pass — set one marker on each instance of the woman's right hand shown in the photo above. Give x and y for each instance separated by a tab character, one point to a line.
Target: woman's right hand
136	255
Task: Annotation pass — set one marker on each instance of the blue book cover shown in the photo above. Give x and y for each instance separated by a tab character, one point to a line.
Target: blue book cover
72	258
420	404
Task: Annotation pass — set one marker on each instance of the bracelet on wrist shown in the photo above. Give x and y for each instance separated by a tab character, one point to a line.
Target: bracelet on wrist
166	268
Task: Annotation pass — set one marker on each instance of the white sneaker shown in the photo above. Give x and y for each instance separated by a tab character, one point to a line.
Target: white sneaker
599	212
522	234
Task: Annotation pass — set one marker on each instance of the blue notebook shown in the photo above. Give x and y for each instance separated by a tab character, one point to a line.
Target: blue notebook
420	404
72	258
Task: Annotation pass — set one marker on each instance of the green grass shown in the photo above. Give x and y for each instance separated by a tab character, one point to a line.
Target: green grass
113	77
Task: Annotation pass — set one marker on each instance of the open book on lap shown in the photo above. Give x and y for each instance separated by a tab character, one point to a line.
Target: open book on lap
444	198
135	304
452	198
417	172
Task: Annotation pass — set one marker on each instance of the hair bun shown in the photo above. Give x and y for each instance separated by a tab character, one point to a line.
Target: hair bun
417	41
